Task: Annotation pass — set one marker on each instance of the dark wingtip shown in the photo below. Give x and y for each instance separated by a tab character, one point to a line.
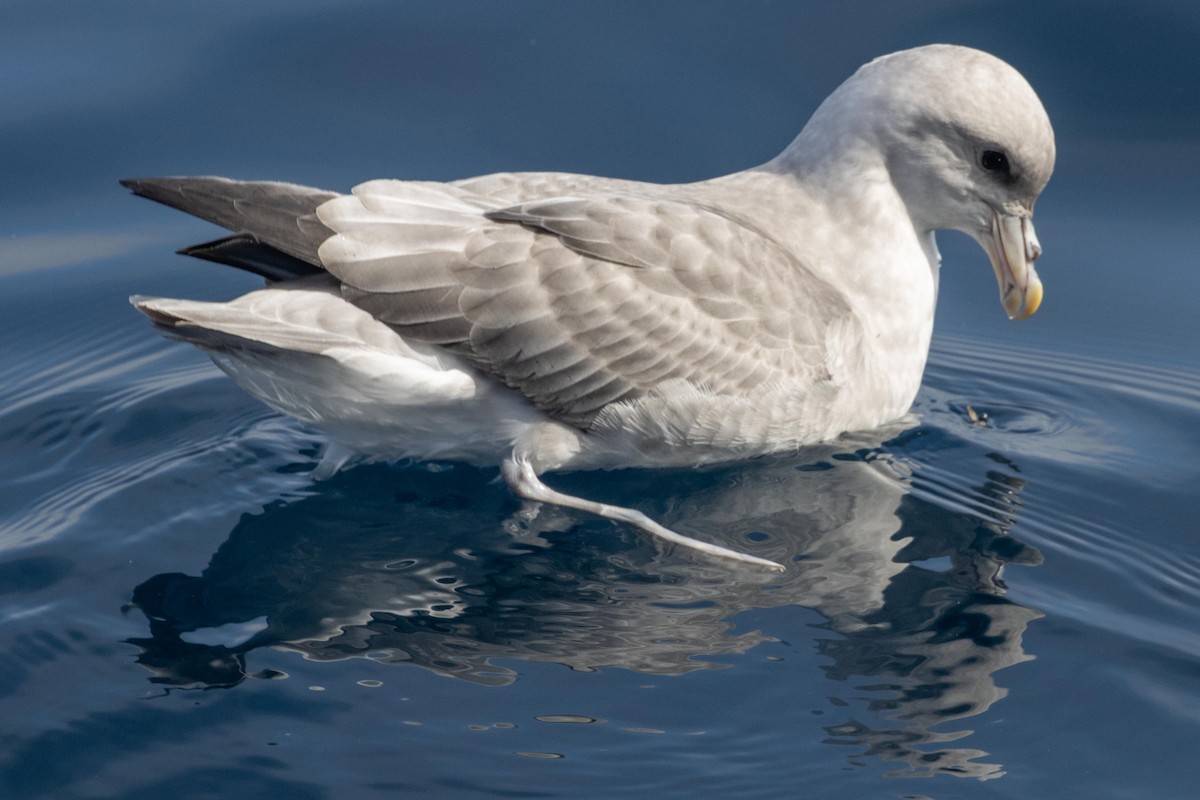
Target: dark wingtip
280	216
246	251
153	188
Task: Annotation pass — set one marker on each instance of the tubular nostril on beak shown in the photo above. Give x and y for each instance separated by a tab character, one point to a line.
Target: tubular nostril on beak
1033	248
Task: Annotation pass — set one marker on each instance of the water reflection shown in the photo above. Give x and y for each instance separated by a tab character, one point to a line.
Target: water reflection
912	593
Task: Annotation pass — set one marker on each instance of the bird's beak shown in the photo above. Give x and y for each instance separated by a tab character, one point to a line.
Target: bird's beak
1013	248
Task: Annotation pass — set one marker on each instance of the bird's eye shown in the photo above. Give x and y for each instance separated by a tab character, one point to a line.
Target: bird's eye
994	161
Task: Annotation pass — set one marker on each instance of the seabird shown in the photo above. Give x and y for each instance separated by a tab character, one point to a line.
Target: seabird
549	321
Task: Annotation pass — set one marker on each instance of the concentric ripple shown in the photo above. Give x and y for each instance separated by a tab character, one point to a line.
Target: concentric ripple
1083	449
87	421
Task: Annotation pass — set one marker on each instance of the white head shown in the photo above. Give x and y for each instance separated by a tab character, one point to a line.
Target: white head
966	143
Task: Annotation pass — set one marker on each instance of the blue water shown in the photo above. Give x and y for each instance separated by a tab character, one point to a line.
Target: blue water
997	598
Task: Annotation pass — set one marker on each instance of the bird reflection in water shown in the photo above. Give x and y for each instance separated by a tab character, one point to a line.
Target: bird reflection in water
916	623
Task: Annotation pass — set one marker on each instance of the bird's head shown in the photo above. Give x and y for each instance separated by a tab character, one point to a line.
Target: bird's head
968	146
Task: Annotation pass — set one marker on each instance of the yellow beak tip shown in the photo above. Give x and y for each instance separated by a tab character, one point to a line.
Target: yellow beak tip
1032	301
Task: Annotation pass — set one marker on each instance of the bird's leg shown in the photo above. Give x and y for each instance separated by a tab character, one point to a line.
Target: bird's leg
524	482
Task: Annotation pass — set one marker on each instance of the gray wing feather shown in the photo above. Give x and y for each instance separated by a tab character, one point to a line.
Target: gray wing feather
245	251
581	302
282	215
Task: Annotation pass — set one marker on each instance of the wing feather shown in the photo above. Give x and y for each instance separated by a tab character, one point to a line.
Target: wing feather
579	302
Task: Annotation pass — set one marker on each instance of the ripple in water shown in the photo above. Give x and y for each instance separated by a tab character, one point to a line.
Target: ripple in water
1098	439
100	422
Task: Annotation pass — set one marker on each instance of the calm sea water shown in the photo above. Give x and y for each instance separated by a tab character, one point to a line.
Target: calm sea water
996	598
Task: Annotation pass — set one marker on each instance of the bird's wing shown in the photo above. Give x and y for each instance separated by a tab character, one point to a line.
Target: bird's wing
581	302
265	214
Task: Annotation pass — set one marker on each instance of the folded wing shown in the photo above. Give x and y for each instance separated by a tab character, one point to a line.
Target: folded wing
582	302
577	302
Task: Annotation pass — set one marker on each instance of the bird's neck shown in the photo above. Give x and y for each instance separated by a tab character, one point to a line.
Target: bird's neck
844	219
